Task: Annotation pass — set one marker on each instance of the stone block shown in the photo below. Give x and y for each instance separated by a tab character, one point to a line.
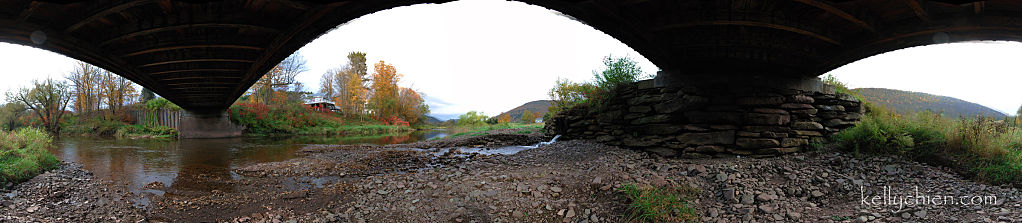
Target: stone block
766	119
712	117
661	129
773	135
808	133
810	111
723	127
796	106
639	109
651	119
801	99
756	143
830	107
706	149
747	134
770	111
838	123
683	103
707	138
761	100
806	125
755	128
793	142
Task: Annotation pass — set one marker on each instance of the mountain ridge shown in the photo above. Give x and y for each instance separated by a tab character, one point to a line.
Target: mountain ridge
907	102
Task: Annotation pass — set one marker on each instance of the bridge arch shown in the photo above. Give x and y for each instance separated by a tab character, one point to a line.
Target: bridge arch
202	55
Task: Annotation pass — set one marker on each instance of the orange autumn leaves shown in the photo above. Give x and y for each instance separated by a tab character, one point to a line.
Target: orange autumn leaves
390	100
378	95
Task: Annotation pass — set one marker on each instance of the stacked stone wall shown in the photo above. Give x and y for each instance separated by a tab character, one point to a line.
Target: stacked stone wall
742	121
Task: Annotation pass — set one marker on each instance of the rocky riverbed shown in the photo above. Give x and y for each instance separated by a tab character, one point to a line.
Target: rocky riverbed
567	181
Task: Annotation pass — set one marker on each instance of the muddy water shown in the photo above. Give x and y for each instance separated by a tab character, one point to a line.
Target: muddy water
194	165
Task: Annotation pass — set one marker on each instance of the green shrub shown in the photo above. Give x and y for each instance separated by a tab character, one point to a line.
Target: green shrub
984	147
23	154
651	204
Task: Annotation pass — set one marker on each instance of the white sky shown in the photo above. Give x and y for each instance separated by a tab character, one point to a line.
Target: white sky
493	55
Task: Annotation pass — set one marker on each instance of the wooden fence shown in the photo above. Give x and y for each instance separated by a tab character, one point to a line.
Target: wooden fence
163	117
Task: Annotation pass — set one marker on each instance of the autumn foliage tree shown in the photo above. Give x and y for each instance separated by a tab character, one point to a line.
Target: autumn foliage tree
345	85
93	89
411	106
383	101
274	86
505	118
47	99
528	117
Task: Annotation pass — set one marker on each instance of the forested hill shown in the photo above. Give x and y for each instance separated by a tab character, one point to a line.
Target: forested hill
538	107
905	102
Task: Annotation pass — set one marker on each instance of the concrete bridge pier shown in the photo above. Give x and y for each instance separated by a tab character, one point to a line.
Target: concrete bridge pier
714	115
203	124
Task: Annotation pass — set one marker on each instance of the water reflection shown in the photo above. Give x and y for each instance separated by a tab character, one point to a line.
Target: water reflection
194	165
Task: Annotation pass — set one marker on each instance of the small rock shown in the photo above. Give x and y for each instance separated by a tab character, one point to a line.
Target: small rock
817	193
861	219
517	214
747	198
721	177
571	213
556	189
921	214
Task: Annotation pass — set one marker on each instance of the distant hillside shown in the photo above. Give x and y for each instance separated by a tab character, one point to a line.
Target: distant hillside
430	120
540	107
905	102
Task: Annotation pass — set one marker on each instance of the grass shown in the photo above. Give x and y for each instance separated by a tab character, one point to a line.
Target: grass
23	155
263	120
652	204
105	127
479	130
982	147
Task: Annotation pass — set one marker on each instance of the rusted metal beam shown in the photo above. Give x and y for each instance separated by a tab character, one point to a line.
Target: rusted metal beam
32	6
219	46
187	26
838	12
197	60
195	70
105	12
748	23
199	78
919	10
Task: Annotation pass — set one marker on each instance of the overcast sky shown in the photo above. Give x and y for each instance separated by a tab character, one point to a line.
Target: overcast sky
493	55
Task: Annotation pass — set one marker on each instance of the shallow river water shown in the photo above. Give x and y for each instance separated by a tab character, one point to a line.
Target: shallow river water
187	164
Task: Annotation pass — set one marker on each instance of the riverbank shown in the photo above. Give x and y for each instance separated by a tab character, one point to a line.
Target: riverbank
113	128
263	120
23	155
567	181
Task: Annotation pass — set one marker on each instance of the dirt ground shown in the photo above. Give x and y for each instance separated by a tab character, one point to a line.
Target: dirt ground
567	181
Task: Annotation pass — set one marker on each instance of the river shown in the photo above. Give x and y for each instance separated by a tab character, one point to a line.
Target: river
187	164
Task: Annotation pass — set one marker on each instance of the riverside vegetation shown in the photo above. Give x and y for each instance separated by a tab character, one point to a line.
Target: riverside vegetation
23	155
988	149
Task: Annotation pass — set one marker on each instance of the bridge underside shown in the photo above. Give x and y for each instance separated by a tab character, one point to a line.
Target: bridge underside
203	55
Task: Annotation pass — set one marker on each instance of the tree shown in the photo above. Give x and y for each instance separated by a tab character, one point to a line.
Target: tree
10	113
383	101
326	84
528	117
47	99
505	118
618	70
279	79
472	118
147	95
411	107
85	80
116	90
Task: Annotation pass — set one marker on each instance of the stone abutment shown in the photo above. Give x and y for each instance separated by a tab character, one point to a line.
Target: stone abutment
713	117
